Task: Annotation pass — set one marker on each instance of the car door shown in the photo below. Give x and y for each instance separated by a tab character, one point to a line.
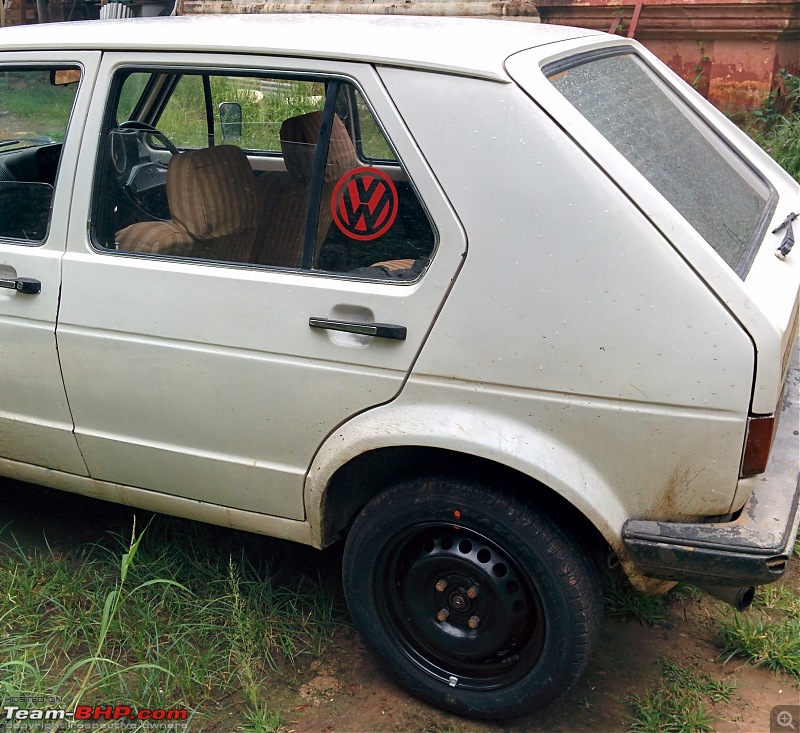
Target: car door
211	364
45	96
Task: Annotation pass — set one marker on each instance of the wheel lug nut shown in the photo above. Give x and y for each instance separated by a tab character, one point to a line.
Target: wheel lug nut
441	585
472	592
473	622
442	615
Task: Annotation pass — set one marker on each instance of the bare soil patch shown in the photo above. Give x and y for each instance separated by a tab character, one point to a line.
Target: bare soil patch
625	662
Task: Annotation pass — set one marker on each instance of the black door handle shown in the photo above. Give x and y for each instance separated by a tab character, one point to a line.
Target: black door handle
25	285
382	330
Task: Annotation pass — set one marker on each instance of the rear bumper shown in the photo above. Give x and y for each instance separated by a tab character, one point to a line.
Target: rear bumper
755	548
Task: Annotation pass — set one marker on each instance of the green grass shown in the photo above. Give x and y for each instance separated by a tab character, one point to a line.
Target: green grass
263	109
622	600
161	620
679	703
768	635
30	106
783	143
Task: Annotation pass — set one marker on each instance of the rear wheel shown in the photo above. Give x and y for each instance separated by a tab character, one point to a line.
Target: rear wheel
475	601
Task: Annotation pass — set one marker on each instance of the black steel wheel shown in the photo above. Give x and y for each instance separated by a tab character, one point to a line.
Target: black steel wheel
475	602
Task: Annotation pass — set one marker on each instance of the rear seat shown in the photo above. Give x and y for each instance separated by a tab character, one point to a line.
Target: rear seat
279	239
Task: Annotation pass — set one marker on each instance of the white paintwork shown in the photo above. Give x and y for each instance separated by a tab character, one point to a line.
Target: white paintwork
35	422
766	301
154	501
578	364
592	340
469	46
213	385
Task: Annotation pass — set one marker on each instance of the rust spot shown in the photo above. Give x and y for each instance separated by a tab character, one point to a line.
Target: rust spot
673	500
668	499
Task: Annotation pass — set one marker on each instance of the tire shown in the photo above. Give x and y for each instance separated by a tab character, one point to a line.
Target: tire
473	600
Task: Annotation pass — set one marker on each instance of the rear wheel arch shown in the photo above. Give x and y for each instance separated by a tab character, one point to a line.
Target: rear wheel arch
362	478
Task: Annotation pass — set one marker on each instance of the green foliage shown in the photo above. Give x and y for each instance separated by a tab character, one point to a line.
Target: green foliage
32	107
265	105
624	601
783	101
699	683
769	635
261	720
782	142
164	620
775	125
678	704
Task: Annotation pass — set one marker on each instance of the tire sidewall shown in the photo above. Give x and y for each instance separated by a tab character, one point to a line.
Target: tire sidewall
526	539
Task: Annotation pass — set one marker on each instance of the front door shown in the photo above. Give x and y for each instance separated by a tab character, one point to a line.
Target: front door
244	289
43	99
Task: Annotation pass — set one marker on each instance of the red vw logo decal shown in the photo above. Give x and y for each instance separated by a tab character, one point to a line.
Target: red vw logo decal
364	203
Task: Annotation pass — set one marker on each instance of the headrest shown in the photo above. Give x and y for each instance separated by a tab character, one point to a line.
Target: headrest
211	191
299	142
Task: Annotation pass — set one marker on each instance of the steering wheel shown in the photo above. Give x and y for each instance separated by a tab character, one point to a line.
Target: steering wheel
152	132
141	179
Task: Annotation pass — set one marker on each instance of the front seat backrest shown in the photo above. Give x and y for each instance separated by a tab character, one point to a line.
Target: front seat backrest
213	202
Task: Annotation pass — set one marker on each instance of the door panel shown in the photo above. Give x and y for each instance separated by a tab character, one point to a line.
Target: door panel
205	379
35	421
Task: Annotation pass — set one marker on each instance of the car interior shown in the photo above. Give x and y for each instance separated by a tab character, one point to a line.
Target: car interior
242	182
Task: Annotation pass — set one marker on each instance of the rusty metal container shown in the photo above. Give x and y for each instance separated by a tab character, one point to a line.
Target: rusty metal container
731	52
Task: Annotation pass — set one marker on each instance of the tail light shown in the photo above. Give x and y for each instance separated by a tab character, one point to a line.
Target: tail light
758	442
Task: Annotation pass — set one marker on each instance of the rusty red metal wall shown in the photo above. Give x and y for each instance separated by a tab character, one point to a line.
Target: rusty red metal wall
731	52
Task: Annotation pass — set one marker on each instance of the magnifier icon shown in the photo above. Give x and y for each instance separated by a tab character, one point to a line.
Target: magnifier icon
785	720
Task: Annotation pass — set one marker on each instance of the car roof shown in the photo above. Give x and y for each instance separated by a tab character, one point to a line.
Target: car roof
466	46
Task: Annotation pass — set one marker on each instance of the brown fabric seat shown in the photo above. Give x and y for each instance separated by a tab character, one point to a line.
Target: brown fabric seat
284	198
214	206
393	265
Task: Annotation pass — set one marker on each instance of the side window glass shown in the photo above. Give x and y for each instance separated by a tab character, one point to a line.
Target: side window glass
229	169
183	119
36	105
132	89
370	141
263	104
375	225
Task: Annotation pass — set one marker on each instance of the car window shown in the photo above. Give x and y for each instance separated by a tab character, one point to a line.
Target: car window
263	104
671	146
256	170
34	113
371	142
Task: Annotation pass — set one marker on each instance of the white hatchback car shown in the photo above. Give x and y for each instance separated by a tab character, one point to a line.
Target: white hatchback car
485	298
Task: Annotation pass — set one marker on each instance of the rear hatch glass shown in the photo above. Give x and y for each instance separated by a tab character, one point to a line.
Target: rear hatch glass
715	191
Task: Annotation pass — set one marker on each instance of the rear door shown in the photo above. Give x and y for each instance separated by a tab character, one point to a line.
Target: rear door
214	373
45	97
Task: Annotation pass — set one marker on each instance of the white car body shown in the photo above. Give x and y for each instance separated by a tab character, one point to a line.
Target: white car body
572	328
